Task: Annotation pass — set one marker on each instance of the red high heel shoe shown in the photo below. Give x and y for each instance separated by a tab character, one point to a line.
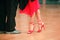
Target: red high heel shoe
31	25
41	27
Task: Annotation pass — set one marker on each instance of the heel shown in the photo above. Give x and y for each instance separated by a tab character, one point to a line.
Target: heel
43	26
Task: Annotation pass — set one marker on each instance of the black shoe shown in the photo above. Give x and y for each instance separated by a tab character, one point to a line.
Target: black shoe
2	32
13	32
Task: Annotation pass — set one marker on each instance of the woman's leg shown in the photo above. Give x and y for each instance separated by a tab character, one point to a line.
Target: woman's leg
31	24
40	23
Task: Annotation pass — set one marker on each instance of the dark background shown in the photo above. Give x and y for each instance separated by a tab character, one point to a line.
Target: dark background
51	1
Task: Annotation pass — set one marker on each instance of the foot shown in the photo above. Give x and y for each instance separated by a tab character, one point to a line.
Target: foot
13	32
41	26
30	31
39	30
31	28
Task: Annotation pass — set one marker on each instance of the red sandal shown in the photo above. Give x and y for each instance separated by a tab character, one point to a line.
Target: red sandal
41	26
31	31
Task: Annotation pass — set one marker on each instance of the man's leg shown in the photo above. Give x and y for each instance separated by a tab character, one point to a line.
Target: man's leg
11	13
2	15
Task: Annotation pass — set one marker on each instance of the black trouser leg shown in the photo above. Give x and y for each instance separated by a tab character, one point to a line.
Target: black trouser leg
2	22
11	13
2	15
